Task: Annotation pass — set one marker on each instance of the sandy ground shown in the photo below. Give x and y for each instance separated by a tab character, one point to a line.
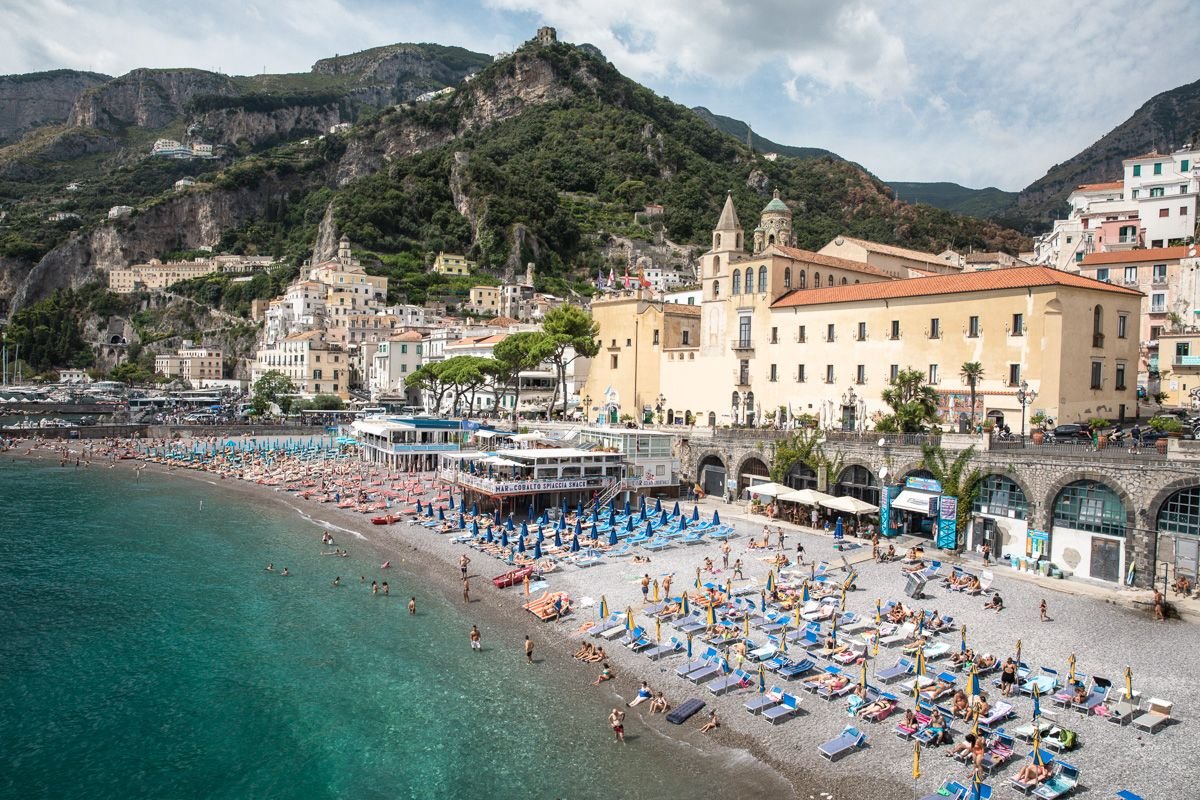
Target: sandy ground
1105	637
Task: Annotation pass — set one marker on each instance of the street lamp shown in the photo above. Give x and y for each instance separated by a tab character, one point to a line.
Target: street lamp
1025	396
587	408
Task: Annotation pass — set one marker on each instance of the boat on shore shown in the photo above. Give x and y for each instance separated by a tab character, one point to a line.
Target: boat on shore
512	577
387	519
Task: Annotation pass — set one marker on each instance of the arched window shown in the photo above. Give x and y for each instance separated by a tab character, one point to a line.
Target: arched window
712	419
816	280
859	482
1181	513
787	277
716	265
1090	506
762	279
737	282
843	281
718	247
716	289
1001	497
1097	321
770	240
803	279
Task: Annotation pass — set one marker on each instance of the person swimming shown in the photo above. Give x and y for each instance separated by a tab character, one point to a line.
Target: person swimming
271	567
285	572
337	581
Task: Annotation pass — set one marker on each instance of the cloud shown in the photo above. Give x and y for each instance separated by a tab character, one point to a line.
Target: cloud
813	45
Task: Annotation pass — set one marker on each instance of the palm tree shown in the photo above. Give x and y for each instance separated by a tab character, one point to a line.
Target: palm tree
971	372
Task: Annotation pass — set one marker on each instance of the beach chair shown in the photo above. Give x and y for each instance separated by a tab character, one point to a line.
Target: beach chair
788	706
936	650
949	790
1026	788
718	666
902	635
1096	697
612	623
1121	711
999	753
622	550
1061	740
879	715
895	672
739	679
850	655
1025	732
1125	794
797	668
1156	715
852	623
1046	683
761	702
999	712
851	738
1064	781
663	650
657	545
696	663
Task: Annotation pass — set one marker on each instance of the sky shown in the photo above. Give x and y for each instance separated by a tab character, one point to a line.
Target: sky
979	93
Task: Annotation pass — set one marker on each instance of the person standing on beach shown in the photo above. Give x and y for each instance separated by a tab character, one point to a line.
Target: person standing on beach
476	644
666	584
645	588
466	590
529	650
463	561
779	533
616	720
412	606
1042	611
725	548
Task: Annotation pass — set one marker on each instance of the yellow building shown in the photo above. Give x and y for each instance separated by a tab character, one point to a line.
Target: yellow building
1179	369
190	363
313	365
897	262
484	300
452	264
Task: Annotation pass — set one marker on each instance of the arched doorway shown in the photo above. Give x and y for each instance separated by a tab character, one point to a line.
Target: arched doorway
1179	518
920	473
1088	536
999	514
752	467
712	419
857	481
801	476
710	474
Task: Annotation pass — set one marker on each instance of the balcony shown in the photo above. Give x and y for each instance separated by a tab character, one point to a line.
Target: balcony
742	344
1097	340
1186	362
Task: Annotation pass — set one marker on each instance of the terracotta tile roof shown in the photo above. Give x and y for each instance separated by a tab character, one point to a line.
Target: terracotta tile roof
829	261
1137	256
990	280
891	250
504	322
1100	187
407	336
1151	154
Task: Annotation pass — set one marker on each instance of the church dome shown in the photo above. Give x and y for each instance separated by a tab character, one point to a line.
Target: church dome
776	205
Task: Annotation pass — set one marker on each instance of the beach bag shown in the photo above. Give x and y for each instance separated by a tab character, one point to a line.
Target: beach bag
1068	739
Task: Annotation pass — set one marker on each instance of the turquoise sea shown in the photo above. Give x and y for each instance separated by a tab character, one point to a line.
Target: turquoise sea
146	653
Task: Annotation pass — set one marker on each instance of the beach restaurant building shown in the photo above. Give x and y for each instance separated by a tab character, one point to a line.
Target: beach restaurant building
649	456
543	477
409	442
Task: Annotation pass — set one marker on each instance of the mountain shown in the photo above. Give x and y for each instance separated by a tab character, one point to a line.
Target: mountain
543	156
738	130
1166	121
40	98
984	203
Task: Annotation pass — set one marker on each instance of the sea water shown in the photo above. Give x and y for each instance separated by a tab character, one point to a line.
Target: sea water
145	652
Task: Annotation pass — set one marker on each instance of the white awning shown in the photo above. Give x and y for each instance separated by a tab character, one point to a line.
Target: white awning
808	497
529	437
768	489
849	505
913	500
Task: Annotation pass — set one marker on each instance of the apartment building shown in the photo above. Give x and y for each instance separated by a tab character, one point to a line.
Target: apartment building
191	363
313	365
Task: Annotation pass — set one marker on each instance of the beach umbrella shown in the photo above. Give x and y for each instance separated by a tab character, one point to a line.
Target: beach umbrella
531	512
716	518
612	506
919	670
462	521
762	679
1038	756
977	786
843	598
579	508
1018	653
629	618
675	510
973	683
746	629
916	759
684	607
697	583
656	590
771	582
1128	683
451	502
627	506
682	523
575	543
838	531
474	509
537	550
803	596
503	537
441	514
689	650
629	524
833	628
657	630
763	595
728	588
541	534
1037	703
862	677
524	530
418	506
875	645
642	514
1071	670
578	527
603	607
612	518
521	543
799	619
962	647
658	505
545	517
488	533
612	536
508	524
557	538
641	501
695	513
710	615
662	520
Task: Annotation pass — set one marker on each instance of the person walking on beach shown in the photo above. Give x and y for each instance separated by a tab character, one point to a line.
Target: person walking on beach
466	590
1158	604
737	569
645	588
799	552
725	548
463	561
412	606
475	639
616	720
528	650
1042	611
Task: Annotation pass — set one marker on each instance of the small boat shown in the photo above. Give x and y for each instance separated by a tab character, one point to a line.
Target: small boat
389	519
512	577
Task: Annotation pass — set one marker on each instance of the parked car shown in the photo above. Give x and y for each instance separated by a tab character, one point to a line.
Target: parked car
1071	430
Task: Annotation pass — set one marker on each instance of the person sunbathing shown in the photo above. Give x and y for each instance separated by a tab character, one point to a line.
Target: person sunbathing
1033	773
582	653
708	564
1182	585
971	584
936	621
659	704
833	682
1081	694
995	604
881	708
756	546
965	746
606	674
669	610
982	706
986	661
912	648
641	559
595	656
963	657
915	566
712	723
960	707
937	689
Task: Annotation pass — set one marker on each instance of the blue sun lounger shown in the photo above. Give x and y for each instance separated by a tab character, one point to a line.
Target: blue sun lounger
663	650
850	739
1125	794
614	621
894	673
762	702
797	668
738	679
950	790
788	706
1064	781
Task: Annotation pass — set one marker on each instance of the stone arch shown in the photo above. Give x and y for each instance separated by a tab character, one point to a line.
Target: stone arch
751	464
802	476
1046	504
716	289
712	419
1155	506
847	483
843	281
916	469
787	277
762	279
711	472
801	279
816	280
1031	499
717	262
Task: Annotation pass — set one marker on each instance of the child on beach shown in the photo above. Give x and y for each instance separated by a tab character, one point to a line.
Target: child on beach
712	724
1042	611
617	721
412	605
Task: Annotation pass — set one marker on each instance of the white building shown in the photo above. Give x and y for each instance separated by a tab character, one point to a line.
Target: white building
301	308
649	456
393	361
687	297
1164	188
313	365
184	183
118	212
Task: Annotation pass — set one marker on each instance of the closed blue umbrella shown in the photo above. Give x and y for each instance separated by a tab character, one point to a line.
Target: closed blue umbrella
541	534
675	510
451	502
662	519
487	534
838	531
575	543
695	513
441	514
629	524
474	509
521	543
475	529
508	524
462	520
689	650
537	550
531	513
627	506
657	505
578	527
643	513
524	530
1037	702
418	506
579	508
612	536
557	538
612	517
612	508
973	684
716	518
504	537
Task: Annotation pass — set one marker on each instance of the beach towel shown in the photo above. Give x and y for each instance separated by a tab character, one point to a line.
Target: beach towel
685	711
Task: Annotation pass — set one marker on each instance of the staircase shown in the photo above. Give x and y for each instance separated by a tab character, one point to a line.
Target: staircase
610	493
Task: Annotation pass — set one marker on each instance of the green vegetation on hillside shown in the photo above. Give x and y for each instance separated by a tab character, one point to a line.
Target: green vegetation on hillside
738	130
984	203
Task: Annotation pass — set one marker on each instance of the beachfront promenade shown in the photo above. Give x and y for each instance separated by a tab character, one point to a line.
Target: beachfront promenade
1104	637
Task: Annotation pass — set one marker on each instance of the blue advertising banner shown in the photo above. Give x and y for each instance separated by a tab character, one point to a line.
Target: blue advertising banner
887	517
947	535
923	484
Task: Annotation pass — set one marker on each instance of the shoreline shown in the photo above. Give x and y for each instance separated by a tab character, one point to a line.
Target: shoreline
431	560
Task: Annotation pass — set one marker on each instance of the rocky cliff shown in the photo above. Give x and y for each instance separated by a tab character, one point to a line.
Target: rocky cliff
41	98
404	71
147	98
237	124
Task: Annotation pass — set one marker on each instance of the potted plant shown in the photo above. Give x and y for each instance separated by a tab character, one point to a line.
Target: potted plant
1038	420
989	425
1171	426
1097	425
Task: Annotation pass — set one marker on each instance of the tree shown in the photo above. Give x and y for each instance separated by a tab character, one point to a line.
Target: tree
327	402
570	333
956	479
913	403
272	388
130	372
516	353
467	374
427	379
972	373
